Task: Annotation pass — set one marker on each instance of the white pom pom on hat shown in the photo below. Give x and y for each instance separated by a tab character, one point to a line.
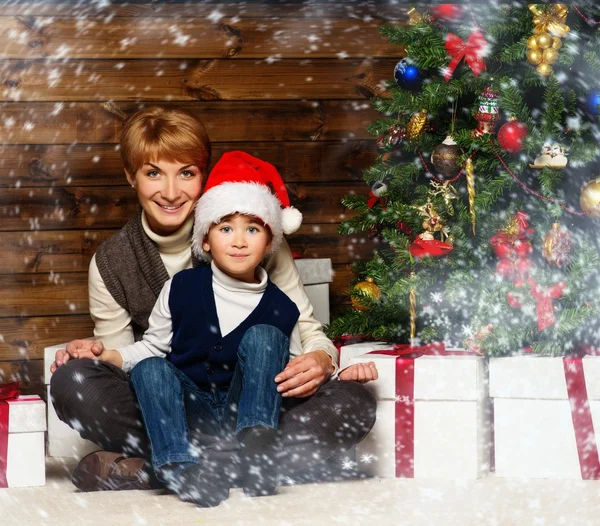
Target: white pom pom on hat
241	183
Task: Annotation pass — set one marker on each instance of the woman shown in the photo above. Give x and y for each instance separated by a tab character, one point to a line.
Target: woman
166	153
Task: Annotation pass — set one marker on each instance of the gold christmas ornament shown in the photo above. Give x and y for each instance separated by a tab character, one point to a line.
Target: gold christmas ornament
544	40
549	28
414	16
544	69
447	191
550	55
551	20
534	56
368	289
416	124
532	42
557	246
471	191
589	198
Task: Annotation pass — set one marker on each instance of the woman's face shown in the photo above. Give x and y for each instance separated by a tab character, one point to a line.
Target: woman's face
167	192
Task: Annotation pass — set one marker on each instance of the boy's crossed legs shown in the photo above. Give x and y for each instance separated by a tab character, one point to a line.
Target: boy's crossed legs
171	404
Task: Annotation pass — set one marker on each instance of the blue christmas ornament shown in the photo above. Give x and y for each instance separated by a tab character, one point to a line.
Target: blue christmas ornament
593	101
407	76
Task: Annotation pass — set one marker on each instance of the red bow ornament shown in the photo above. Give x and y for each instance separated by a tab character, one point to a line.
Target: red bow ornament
543	302
373	200
472	51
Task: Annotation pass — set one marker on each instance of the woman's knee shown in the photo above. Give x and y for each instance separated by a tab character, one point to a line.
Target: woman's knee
71	378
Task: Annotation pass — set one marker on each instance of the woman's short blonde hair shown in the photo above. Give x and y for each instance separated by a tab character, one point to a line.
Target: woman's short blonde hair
169	134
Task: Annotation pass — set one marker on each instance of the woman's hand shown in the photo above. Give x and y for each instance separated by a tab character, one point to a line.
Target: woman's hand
303	375
78	349
360	372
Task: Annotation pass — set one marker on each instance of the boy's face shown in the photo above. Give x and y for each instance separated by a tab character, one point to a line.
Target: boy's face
238	244
167	192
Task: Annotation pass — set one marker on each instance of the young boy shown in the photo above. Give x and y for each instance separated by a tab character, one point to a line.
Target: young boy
226	332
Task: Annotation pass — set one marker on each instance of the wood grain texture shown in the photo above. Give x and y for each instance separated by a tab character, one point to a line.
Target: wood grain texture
356	10
100	164
24	295
26	338
29	374
141	37
92	122
185	80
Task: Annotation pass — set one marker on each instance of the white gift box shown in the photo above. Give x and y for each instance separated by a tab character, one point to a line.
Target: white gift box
347	352
451	419
63	441
534	433
25	455
316	274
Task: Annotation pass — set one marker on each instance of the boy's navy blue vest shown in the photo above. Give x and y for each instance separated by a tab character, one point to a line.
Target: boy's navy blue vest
198	348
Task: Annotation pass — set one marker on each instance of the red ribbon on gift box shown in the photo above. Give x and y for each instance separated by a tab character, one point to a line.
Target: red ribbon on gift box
583	425
7	392
405	399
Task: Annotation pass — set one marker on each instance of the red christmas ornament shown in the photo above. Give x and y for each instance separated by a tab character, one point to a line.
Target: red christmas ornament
449	12
428	247
511	135
523	249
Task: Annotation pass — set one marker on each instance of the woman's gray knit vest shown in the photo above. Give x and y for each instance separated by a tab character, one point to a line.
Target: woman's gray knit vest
133	272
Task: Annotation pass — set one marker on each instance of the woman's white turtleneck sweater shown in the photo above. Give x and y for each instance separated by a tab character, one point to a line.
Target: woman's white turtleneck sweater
113	323
235	300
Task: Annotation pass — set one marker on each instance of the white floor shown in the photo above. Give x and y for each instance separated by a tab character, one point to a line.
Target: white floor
373	502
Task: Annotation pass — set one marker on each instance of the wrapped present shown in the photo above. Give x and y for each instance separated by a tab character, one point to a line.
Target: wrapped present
63	441
350	347
546	416
316	275
22	426
433	414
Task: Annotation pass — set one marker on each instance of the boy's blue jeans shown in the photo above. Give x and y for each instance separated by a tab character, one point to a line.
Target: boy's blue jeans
172	404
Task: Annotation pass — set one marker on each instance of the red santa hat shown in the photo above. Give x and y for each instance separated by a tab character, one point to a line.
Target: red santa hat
241	183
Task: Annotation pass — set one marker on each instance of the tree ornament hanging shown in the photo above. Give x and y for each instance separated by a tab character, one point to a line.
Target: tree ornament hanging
445	158
425	244
416	124
552	156
412	302
549	28
511	136
407	76
470	174
473	51
447	12
557	246
487	112
392	138
447	192
589	198
416	17
368	289
593	101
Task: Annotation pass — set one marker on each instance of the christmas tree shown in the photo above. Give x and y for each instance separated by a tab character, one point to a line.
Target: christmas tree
484	197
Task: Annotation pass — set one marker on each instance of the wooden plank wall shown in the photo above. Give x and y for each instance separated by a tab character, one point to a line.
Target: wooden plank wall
288	83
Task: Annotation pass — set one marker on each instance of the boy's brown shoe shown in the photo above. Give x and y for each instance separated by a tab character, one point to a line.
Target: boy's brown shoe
106	471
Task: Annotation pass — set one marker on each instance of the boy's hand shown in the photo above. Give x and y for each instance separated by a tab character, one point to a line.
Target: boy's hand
360	372
90	349
303	375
